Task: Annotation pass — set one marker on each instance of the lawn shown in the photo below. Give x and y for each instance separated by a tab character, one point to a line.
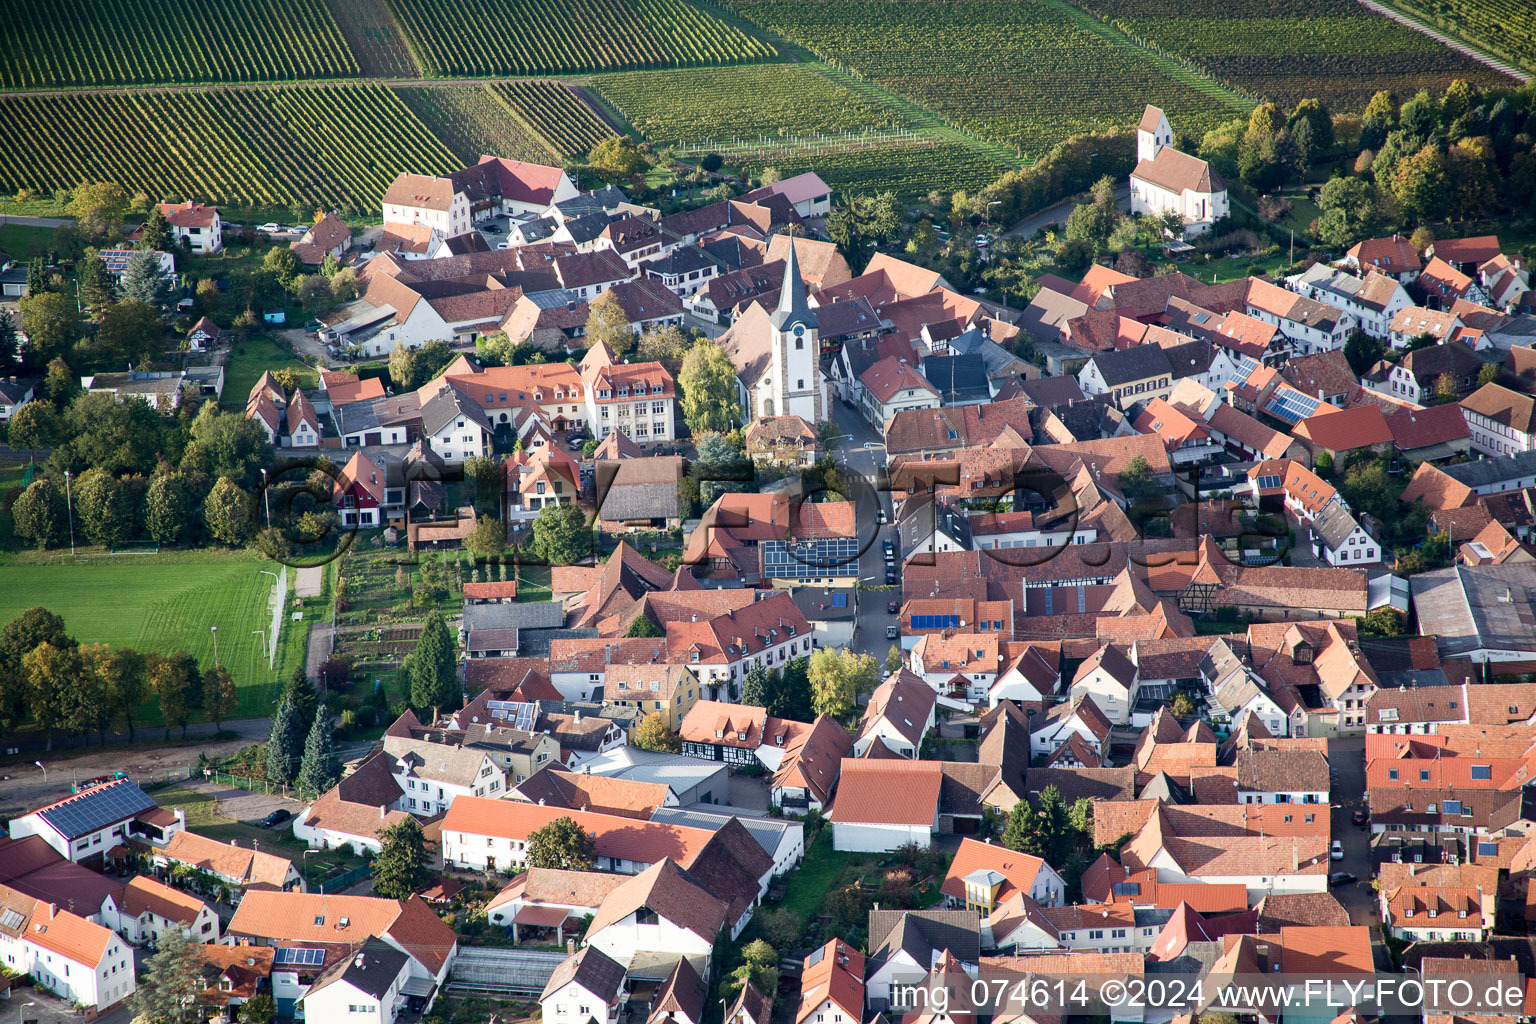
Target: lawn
807	888
249	359
166	602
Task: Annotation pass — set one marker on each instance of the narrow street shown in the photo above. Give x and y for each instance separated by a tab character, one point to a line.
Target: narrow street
1346	762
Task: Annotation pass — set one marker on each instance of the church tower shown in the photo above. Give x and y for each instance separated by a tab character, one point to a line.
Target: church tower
1153	134
795	370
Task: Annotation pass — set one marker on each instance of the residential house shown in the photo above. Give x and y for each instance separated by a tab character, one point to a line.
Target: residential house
891	386
992	880
426	203
1438	902
807	774
659	916
832	986
806	193
1128	375
1395	256
1311	326
15	392
84	826
250	870
144	910
545	477
1340	540
488	834
551	897
1372	298
639	494
433	774
1341	431
198	223
782	441
64	953
1080	717
1416	377
900	714
588	986
369	986
359	493
905	944
1109	677
681	1000
1443	285
327	238
1503	422
356	811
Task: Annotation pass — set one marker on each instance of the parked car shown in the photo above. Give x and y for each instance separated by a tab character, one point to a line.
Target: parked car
1360	817
276	818
880	517
1341	878
503	245
890	577
270	227
892	607
1337	851
892	632
890	549
314	324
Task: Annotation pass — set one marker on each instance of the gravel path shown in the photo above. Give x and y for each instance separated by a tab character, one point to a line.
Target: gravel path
1445	40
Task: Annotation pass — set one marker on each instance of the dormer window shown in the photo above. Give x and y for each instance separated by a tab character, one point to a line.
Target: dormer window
693	656
604	393
719	733
741	736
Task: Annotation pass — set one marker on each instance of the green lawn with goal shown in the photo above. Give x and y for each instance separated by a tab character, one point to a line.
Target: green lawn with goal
165	602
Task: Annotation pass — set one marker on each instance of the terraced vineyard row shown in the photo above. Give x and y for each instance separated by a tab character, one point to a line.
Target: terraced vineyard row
692	106
470	120
909	171
1508	27
555	112
112	42
337	146
522	37
1334	50
1018	72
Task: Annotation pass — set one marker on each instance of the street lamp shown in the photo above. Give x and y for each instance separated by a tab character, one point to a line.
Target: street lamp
70	504
215	645
266	497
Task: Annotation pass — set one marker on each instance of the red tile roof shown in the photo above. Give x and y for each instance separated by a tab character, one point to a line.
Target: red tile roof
897	792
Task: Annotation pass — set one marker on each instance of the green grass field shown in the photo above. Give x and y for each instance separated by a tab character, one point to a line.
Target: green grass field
165	602
247	363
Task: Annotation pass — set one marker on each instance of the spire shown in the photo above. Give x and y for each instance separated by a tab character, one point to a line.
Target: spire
793	306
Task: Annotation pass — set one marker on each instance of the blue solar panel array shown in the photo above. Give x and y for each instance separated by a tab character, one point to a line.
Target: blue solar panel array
935	622
1292	406
306	957
97	808
840	600
835	556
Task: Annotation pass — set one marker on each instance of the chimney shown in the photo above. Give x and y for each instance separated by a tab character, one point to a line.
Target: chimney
383	810
358	962
570	947
608	654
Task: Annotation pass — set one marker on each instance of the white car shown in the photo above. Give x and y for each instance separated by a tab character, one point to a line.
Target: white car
270	228
1337	853
503	245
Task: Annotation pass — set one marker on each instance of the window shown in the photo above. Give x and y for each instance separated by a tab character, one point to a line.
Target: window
1482	771
1392	774
1423	774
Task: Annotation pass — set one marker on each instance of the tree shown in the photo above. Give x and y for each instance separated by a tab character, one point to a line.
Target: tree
314	293
760	966
219	696
1221	145
1092	223
432	669
1473	171
172	683
283	264
23	634
39	513
167	989
488	539
34	425
98	208
402	869
143	282
560	844
1379	118
167	505
1043	830
8	346
53	324
1137	482
96	292
1362	351
837	677
285	744
1421	184
561	535
1384	621
51	677
642	627
1074	255
155	232
227	511
1446	389
1318	120
1349	212
754	687
893	659
235	446
130	332
708	382
321	768
790	690
60	383
127	684
103	508
667	345
653	733
617	158
259	1009
608	325
1182	704
1487	375
780	927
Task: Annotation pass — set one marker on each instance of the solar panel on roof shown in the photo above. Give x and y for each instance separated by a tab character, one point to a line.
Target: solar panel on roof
97	808
815	957
839	600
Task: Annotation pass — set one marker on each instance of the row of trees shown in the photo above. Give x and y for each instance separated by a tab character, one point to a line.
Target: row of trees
74	689
301	749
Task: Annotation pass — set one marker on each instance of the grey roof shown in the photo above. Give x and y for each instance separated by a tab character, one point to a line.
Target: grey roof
977	344
96	808
1190	358
537	229
921	933
1131	364
1334	524
1052	391
1164	790
586	228
1471	607
440	762
1045	318
552	298
674	770
354	417
847	316
606	198
769	832
1076	783
1488	472
590	968
14	389
521	615
372	968
957	378
821	603
535	643
446	406
793	307
682	260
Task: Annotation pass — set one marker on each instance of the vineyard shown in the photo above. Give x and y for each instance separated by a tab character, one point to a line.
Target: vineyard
471	120
1334	50
555	112
369	30
909	171
717	104
112	42
1507	27
1022	73
521	37
337	146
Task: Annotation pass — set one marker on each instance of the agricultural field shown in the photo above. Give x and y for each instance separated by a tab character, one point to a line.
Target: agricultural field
1505	27
370	30
472	120
164	602
1334	50
1023	73
334	146
910	171
718	104
114	42
523	37
555	112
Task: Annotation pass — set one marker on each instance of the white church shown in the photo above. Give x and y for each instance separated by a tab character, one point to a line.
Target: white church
1166	179
778	355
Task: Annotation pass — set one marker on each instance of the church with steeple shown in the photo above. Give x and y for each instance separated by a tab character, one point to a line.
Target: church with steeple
777	354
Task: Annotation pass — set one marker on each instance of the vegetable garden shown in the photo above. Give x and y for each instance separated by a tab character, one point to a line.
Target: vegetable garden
111	42
337	146
1333	50
1018	72
478	37
556	113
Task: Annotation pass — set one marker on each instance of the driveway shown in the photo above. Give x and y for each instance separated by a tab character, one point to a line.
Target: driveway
307	346
245	805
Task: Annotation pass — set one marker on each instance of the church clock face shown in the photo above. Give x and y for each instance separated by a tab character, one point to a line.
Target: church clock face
799	330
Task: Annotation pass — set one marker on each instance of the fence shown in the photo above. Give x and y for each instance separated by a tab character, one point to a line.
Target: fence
346	878
256	785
